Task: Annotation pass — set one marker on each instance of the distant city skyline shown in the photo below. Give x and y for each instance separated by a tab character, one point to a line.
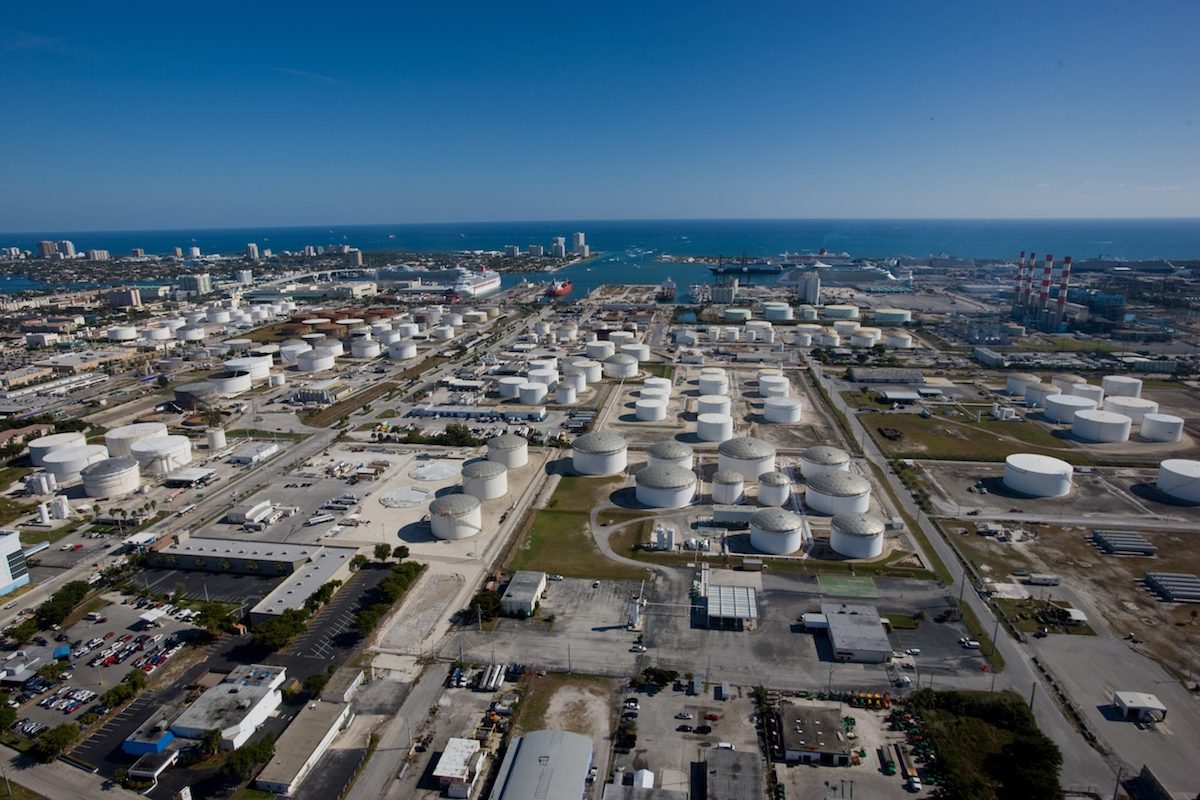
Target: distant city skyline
139	117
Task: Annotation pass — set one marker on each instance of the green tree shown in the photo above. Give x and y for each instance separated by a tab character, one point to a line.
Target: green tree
275	633
382	551
8	716
210	742
314	683
400	552
358	562
54	742
487	604
136	679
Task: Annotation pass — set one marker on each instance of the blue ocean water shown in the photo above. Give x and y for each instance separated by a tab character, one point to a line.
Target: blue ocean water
629	248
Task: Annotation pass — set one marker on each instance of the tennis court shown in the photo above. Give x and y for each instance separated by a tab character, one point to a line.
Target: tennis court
846	586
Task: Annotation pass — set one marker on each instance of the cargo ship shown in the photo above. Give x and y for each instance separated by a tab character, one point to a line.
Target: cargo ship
559	288
666	292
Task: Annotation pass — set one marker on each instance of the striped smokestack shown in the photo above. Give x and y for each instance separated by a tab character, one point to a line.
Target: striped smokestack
1027	292
1064	281
1044	296
1017	287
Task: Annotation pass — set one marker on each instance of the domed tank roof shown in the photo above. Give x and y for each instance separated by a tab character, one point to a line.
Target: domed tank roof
858	524
599	442
774	479
453	505
839	484
483	469
824	454
109	466
508	441
728	477
669	450
746	448
665	477
620	358
776	520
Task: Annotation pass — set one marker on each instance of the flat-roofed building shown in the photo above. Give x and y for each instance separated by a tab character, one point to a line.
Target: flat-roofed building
524	592
732	607
154	734
236	706
301	746
459	767
813	735
884	375
254	453
326	392
548	765
86	360
733	775
856	633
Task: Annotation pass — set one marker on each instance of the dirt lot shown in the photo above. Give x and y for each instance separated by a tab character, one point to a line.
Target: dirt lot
1105	586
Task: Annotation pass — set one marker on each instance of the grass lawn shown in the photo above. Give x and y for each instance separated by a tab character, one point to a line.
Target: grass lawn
961	439
994	559
29	537
387	413
857	399
659	370
617	516
250	793
255	433
561	542
18	792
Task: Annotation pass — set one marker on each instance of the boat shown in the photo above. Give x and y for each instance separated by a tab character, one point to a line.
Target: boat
559	288
666	292
477	284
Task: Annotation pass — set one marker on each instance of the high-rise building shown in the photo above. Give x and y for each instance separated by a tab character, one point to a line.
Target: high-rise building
243	276
96	255
309	251
138	253
198	284
193	252
252	251
810	289
67	248
14	573
46	249
354	257
129	297
536	250
577	243
559	248
179	252
512	250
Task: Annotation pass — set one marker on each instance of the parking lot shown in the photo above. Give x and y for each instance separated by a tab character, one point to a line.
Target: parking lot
218	587
331	634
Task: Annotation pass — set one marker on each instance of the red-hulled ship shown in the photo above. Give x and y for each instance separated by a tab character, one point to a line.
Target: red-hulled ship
559	289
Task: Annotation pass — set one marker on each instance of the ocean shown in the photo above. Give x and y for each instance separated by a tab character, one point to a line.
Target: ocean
628	250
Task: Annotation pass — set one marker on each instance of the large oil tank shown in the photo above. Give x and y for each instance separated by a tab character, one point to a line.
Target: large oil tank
1063	407
620	366
120	440
162	455
650	410
112	477
855	535
782	410
1121	386
670	454
316	360
837	492
777	531
747	455
485	479
1180	478
1162	428
774	488
713	404
728	488
215	438
1133	407
599	453
402	350
455	516
1036	393
1016	383
509	449
823	460
231	384
1101	426
531	394
714	427
771	386
1037	475
39	448
509	386
66	463
665	486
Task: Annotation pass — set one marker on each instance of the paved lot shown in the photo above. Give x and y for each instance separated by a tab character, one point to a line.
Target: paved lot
215	586
331	775
331	636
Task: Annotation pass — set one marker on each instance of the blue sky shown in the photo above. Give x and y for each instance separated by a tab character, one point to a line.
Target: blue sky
149	115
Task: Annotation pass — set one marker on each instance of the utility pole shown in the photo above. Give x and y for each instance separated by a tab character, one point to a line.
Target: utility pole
1032	694
1116	788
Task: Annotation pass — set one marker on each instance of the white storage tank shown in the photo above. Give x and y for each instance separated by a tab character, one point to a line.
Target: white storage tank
713	404
1037	475
892	316
777	531
638	350
509	449
1066	382
1016	383
1090	391
855	535
1162	428
654	393
162	455
43	445
774	488
823	460
365	348
455	516
864	337
658	383
1180	478
531	394
316	360
231	384
841	312
670	454
276	380
802	339
289	354
773	386
550	363
547	376
509	386
714	427
485	479
777	310
620	365
1063	407
564	395
598	351
196	395
408	329
215	438
782	410
650	409
808	312
1101	426
836	492
728	488
1133	407
66	463
1121	386
257	367
443	333
714	383
156	333
599	453
898	340
402	350
122	333
112	477
120	440
332	347
576	381
747	455
590	370
1036	393
665	486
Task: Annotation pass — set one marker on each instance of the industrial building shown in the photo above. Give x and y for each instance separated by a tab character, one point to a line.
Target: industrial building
813	735
548	765
301	746
460	767
732	607
236	706
254	453
14	573
856	633
1140	706
154	734
523	594
733	775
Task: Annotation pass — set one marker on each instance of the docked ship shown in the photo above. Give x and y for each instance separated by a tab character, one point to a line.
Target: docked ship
476	284
559	288
822	259
666	292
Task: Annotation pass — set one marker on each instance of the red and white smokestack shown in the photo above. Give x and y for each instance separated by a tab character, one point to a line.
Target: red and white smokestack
1027	292
1020	277
1044	298
1064	281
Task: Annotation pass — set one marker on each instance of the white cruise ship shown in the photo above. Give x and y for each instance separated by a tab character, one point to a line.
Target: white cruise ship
476	284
